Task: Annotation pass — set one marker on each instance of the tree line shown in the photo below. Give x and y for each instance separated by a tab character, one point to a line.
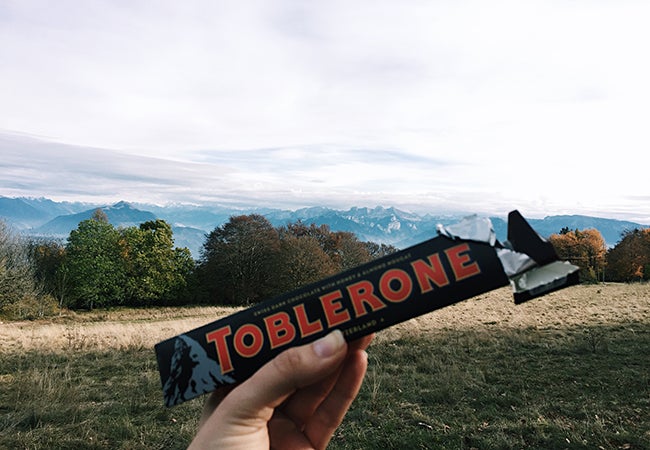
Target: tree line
627	261
242	262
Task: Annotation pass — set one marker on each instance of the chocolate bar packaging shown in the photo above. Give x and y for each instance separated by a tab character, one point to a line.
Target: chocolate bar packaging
463	261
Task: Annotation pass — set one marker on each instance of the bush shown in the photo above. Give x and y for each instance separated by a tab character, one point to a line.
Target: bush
16	272
31	307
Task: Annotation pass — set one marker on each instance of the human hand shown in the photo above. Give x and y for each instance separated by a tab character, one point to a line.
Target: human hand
295	401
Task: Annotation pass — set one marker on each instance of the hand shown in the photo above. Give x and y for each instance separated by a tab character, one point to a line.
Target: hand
295	401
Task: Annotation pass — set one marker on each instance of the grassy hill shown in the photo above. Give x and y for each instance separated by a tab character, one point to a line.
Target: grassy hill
569	370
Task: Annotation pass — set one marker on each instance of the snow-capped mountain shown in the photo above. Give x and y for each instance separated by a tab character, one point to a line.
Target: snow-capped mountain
190	223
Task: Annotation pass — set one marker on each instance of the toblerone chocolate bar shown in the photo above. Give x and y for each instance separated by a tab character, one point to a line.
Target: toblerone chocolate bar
463	261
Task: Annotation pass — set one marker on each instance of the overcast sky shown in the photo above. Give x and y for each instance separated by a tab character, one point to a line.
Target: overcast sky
430	106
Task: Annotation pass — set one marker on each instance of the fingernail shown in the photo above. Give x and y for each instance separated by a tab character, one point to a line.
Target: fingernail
329	345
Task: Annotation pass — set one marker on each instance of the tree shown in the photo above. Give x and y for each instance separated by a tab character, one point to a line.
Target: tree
629	260
94	264
376	250
48	257
328	242
239	261
342	247
156	272
302	261
352	252
247	260
586	249
17	280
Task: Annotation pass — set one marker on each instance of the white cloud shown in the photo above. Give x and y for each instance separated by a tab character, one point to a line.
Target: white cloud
480	104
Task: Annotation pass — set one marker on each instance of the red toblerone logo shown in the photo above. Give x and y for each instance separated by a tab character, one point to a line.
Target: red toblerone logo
363	297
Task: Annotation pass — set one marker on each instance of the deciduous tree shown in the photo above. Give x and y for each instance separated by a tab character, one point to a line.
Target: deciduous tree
629	260
94	264
239	261
352	252
48	257
17	279
584	248
328	241
376	250
156	272
302	261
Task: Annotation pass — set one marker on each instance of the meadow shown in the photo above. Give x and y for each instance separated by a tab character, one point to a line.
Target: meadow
568	370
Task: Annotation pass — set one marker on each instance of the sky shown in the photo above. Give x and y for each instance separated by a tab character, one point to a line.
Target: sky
429	106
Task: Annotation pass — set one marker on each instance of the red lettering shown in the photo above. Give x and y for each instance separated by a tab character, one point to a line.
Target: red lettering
334	311
280	329
219	339
304	325
461	262
386	285
362	292
257	339
430	274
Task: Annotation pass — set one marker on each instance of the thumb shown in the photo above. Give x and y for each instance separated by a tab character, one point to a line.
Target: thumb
292	369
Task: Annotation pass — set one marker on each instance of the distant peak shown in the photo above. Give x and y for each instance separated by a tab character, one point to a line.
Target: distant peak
121	204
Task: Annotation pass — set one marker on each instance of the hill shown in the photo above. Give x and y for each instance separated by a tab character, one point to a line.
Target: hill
121	214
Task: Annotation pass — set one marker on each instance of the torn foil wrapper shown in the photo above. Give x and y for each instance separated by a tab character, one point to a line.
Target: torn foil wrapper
528	277
463	261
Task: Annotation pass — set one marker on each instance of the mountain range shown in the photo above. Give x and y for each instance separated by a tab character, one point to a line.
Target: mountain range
41	217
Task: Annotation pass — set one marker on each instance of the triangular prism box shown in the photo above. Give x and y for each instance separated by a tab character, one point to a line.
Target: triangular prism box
463	261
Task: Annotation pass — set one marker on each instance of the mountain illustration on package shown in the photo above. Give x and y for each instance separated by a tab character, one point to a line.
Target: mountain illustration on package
463	261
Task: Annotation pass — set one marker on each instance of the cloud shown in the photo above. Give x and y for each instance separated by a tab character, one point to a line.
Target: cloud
469	105
187	75
61	170
291	177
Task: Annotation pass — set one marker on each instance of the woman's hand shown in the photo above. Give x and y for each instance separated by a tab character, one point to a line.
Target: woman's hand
295	401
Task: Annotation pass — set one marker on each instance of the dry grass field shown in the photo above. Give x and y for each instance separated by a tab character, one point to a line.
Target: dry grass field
117	329
568	370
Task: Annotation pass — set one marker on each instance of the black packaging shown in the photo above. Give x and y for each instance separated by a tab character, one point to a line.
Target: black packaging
461	262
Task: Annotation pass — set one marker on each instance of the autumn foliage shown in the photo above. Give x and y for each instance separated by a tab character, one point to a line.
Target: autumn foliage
630	259
586	249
